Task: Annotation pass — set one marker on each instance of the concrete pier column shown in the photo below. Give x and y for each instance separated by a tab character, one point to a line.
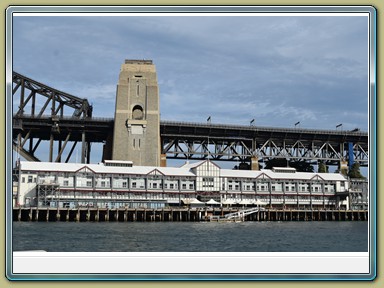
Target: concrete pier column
163	160
88	216
47	216
19	214
77	219
255	163
58	215
97	216
125	215
107	215
37	214
67	216
135	216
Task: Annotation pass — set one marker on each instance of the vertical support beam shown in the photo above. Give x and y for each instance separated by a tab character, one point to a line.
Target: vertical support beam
33	106
30	145
88	152
53	107
83	147
350	155
22	97
51	147
58	159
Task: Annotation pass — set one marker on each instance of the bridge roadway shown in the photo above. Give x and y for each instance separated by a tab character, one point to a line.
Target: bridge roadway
191	140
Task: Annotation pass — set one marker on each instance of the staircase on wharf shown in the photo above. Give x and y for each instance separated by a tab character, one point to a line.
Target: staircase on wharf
179	214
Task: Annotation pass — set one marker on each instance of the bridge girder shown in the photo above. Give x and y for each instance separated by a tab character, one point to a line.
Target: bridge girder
179	140
241	143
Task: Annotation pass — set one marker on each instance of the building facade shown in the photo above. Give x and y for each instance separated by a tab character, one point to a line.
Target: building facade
118	184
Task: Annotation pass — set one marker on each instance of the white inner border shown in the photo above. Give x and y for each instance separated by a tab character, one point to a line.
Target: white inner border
192	262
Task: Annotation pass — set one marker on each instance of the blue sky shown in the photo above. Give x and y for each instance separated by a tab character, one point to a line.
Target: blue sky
276	70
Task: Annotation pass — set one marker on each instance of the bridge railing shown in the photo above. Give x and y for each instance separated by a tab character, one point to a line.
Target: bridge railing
264	128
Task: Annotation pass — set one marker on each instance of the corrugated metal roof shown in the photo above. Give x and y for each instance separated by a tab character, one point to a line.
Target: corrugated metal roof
185	170
276	175
102	169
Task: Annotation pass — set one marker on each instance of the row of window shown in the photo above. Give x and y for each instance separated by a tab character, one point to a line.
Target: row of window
134	185
207	182
279	188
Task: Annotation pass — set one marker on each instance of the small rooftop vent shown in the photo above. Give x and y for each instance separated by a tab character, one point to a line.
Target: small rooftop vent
284	170
118	163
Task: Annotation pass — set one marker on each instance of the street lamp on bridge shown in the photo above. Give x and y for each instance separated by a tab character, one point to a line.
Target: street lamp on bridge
339	125
297	123
252	121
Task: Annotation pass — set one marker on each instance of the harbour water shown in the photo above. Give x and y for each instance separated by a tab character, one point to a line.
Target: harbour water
316	236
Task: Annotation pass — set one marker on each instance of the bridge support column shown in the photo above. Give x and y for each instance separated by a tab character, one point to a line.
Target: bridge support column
137	116
163	160
255	163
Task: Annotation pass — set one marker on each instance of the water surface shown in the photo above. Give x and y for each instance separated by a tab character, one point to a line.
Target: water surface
329	236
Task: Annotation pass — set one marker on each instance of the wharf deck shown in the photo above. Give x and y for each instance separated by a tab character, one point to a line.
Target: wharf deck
178	214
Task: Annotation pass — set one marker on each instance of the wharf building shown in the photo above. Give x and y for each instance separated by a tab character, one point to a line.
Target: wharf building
117	184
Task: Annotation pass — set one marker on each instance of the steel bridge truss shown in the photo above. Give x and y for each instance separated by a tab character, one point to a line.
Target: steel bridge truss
48	120
40	102
244	150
